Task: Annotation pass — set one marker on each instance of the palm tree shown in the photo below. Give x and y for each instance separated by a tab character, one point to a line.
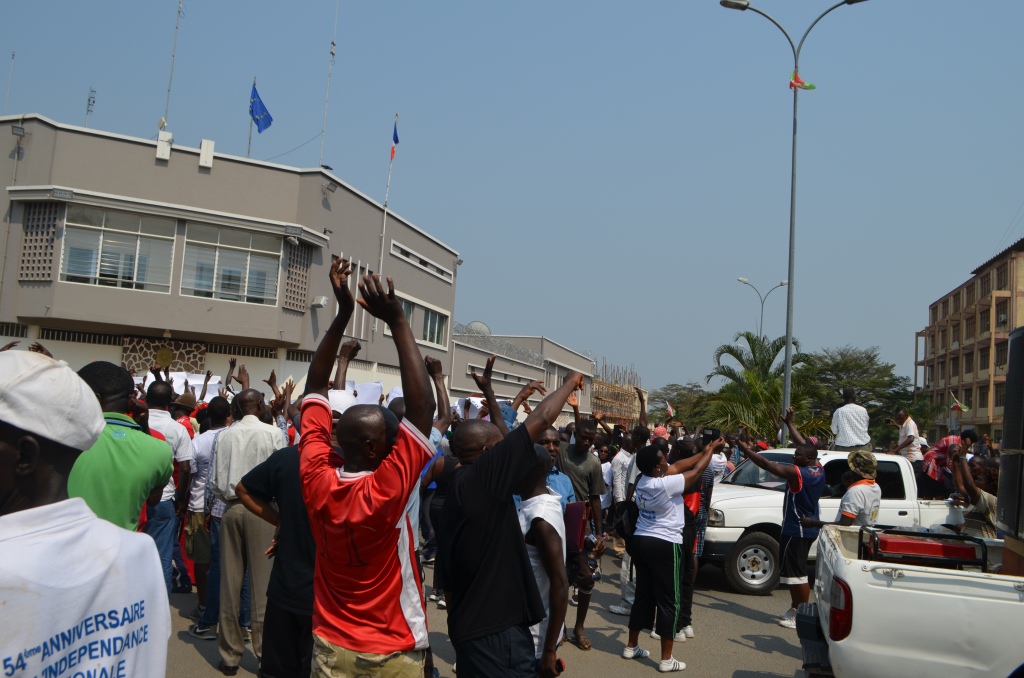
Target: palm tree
757	358
755	404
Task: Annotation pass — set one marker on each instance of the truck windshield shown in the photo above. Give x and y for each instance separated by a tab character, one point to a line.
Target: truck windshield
751	475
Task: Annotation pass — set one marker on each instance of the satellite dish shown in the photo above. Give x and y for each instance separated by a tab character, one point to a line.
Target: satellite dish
477	327
161	123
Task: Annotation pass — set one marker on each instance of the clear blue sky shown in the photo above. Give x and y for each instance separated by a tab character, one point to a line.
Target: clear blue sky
606	170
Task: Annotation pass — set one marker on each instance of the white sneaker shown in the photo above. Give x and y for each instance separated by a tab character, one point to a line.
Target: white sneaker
687	631
671	664
619	609
679	637
788	620
635	653
790	612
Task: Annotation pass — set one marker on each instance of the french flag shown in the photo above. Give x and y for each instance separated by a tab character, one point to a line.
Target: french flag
394	140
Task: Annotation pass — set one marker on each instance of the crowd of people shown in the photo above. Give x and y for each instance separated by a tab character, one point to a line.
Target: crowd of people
307	521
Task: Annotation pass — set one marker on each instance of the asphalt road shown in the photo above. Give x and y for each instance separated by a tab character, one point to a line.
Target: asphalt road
736	636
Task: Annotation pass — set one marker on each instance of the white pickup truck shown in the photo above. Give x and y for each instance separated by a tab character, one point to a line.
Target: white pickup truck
745	516
901	619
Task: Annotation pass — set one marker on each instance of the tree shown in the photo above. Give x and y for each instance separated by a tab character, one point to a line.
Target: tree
824	374
755	405
689	401
758	358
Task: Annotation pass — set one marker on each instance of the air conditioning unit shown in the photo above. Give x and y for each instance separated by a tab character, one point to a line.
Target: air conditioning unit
1001	319
956	344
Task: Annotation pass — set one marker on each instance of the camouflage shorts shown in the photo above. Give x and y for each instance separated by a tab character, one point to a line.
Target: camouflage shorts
331	661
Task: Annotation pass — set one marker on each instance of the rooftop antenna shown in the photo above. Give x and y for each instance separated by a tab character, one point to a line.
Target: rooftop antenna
170	79
10	73
90	103
330	69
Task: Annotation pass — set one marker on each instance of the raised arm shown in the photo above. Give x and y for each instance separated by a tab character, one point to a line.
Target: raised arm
226	384
444	407
320	367
544	415
600	419
206	383
686	465
794	434
643	407
784	471
526	391
693	475
483	382
384	305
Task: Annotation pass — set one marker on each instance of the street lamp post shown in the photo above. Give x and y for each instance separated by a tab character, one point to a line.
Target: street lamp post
760	327
796	47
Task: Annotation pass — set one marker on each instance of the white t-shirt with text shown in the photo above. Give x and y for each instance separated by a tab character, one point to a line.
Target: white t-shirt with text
861	502
80	596
662	511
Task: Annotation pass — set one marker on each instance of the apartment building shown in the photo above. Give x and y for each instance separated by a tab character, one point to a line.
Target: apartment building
964	349
142	251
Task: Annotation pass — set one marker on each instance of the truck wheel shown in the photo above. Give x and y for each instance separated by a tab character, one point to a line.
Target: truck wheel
753	566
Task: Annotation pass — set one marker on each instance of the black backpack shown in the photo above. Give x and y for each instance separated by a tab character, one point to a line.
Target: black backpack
627	513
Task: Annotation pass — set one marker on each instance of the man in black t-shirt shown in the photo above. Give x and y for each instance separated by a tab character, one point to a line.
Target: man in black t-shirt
288	623
490	588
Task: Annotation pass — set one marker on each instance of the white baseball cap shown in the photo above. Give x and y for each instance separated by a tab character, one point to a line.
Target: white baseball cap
44	396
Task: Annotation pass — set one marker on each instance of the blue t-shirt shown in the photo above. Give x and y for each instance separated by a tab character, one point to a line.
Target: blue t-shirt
802	502
558	483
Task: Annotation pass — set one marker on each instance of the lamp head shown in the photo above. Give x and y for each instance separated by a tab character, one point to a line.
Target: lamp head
743	280
784	282
745	4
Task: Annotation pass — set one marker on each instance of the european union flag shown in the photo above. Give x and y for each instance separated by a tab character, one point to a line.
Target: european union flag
258	112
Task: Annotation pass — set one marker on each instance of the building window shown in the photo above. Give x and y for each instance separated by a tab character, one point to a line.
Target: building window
1003	276
954	367
935	314
969	292
231	264
969	324
117	249
983	356
942	340
968	363
942	371
435	327
968	400
929	376
407	309
985	321
1000	395
986	285
954	335
956	301
296	281
1001	314
945	307
420	261
1001	354
982	397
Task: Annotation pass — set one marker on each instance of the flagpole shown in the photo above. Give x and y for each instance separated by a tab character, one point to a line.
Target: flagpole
327	96
10	74
384	223
170	79
248	149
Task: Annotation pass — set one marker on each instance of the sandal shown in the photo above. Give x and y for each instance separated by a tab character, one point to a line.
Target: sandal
581	641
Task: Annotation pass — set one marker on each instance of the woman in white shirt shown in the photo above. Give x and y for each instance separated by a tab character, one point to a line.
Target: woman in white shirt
656	546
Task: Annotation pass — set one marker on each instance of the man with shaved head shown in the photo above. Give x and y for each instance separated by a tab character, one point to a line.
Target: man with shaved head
243	536
492	595
369	616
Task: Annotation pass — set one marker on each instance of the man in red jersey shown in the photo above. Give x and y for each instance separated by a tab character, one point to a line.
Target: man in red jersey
369	616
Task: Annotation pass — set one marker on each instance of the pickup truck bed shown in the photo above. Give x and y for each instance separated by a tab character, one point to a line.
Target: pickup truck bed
910	620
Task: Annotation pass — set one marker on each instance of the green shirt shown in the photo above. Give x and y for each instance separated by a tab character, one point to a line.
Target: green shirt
116	475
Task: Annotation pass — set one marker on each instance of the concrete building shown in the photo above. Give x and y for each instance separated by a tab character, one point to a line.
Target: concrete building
964	348
130	250
520	360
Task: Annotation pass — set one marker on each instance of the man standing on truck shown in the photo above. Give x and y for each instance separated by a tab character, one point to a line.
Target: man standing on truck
805	481
909	445
850	424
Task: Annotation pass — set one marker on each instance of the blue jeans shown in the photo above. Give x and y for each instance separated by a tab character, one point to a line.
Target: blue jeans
160	524
212	613
179	576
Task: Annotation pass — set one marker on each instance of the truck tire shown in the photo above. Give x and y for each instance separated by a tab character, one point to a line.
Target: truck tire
753	565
